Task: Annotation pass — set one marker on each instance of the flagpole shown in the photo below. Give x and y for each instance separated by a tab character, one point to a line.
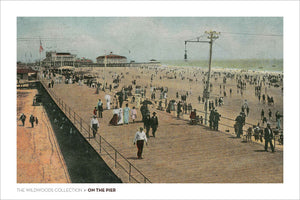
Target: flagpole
40	60
40	50
105	62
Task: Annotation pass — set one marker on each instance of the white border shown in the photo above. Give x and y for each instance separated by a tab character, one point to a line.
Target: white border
289	10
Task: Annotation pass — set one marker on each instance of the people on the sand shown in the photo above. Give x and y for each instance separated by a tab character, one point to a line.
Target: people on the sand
32	120
23	118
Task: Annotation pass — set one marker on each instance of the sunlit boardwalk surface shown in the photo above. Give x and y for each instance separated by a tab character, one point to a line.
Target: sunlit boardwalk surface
180	153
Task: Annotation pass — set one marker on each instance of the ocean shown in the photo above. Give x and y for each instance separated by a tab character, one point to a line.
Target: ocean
273	65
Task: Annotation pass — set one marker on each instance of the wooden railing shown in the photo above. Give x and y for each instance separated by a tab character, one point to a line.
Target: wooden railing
134	175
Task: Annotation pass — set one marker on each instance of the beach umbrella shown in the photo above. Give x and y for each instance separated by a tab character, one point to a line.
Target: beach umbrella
147	102
119	93
173	100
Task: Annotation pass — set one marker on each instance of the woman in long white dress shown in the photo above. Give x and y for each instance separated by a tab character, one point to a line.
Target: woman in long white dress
120	116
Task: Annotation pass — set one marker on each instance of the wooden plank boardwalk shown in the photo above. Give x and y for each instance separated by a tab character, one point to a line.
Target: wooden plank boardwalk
180	153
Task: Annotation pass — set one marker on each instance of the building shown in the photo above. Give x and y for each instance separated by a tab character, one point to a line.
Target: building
25	72
58	59
111	59
84	60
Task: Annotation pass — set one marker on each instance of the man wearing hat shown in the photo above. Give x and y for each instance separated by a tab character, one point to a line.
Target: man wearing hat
154	123
240	122
268	137
94	125
216	120
22	118
32	120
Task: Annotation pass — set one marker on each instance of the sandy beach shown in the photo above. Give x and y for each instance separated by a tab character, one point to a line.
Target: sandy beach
39	159
232	103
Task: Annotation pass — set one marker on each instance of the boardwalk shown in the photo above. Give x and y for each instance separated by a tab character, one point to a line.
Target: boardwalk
180	153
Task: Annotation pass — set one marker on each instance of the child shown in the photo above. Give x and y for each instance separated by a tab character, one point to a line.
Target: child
133	114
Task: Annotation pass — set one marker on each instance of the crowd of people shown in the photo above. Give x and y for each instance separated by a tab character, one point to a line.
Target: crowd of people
181	104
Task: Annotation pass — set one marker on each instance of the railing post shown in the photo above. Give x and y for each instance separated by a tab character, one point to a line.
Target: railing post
129	173
74	118
70	112
90	132
80	124
145	179
100	145
115	158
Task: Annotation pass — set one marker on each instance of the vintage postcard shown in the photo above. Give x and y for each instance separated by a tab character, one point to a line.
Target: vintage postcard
104	102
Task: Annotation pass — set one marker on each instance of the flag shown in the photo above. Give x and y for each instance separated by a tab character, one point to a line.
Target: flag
41	47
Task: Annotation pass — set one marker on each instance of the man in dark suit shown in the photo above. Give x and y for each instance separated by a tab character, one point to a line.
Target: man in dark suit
240	122
268	137
154	123
32	120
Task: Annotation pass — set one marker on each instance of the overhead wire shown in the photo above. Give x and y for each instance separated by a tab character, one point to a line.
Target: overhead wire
253	34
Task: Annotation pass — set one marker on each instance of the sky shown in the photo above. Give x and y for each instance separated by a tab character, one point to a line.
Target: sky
145	38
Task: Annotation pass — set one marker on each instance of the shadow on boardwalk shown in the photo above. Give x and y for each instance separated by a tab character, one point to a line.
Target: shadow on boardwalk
83	162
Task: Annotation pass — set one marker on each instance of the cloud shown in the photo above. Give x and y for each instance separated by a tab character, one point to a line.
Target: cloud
147	38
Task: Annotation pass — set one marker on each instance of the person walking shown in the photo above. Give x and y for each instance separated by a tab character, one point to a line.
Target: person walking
36	121
32	120
23	118
144	110
179	109
147	125
121	100
262	114
139	139
126	114
133	114
270	114
278	116
268	137
211	119
107	98
95	111
100	108
94	125
240	122
216	120
154	123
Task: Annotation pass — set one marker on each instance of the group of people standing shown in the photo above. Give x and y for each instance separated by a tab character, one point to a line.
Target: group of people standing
122	115
214	118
